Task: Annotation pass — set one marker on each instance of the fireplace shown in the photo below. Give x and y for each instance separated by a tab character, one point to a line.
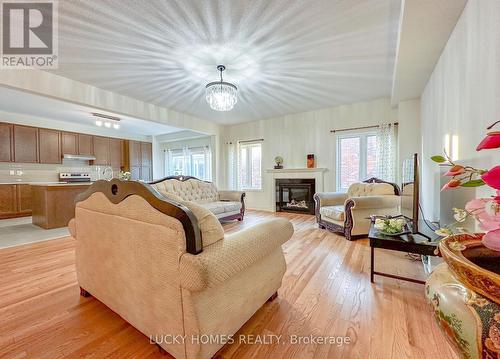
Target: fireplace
295	195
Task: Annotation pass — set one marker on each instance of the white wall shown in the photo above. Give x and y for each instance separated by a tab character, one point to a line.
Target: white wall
409	136
462	96
294	136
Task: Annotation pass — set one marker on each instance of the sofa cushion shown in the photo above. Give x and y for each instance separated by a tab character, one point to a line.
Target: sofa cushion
334	212
211	229
193	190
220	207
370	189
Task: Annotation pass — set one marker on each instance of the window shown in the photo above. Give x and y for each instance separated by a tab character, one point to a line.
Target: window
196	162
249	165
356	159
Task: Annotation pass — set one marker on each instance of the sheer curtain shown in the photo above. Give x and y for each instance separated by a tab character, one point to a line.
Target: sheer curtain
386	152
189	161
232	168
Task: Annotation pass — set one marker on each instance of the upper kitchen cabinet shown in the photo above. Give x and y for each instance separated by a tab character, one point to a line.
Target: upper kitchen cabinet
135	156
146	154
69	143
6	142
25	144
85	146
115	153
101	151
50	146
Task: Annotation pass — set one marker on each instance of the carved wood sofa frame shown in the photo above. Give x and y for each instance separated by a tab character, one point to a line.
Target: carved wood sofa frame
116	191
238	216
349	221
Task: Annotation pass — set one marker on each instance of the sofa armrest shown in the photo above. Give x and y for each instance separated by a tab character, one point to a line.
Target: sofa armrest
330	198
72	228
237	251
235	196
369	202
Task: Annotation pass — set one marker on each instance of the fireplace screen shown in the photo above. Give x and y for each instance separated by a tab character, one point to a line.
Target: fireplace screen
295	195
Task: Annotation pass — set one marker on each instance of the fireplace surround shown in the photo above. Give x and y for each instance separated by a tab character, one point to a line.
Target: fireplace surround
295	195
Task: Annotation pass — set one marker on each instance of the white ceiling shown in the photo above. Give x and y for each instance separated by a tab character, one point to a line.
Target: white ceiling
41	107
285	56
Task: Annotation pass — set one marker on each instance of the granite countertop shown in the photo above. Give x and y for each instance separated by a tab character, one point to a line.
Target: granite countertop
61	184
40	183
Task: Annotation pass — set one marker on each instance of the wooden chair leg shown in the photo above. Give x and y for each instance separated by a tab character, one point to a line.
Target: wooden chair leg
273	297
84	293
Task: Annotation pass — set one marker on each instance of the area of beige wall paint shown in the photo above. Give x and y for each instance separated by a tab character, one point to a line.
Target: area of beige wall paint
409	139
462	96
42	122
48	84
294	136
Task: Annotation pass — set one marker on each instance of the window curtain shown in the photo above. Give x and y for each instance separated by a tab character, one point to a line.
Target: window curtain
232	165
386	152
186	161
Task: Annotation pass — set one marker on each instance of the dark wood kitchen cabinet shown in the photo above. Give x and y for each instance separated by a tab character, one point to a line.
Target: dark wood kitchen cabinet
139	160
15	200
50	146
25	144
6	142
115	153
85	145
101	151
24	199
8	201
69	143
146	154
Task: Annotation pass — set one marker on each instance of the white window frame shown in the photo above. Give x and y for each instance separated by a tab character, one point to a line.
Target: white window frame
249	173
362	156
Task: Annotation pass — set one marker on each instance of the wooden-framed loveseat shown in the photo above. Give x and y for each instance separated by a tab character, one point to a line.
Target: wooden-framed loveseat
348	212
225	205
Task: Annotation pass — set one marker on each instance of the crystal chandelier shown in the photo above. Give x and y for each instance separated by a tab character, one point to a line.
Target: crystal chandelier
220	95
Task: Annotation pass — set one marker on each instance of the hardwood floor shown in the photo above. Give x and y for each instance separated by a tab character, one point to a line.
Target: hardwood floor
326	292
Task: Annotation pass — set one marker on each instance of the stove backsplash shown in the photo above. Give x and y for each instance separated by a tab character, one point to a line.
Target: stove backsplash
35	172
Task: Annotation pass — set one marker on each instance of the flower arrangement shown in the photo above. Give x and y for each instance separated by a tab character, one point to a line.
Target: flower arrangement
485	210
124	176
390	225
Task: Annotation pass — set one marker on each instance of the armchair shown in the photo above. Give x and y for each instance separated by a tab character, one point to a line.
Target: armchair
348	213
167	267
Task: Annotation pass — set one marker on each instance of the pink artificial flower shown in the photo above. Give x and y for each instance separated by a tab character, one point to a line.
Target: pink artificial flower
481	208
454	183
491	240
492	177
455	171
492	140
497	197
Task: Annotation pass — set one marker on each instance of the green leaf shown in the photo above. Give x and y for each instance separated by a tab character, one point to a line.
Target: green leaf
438	159
473	183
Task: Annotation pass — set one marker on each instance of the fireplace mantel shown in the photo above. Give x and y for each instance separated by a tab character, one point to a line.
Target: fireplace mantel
295	170
294	173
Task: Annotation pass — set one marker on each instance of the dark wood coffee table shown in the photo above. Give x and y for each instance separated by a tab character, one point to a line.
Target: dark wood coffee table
408	243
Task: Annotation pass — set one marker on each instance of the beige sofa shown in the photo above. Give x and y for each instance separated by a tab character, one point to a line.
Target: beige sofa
168	268
226	205
348	213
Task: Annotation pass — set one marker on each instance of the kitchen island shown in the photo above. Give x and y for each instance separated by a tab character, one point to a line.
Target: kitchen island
53	204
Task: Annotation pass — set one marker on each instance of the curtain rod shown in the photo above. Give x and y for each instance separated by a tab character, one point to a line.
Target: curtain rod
361	128
256	140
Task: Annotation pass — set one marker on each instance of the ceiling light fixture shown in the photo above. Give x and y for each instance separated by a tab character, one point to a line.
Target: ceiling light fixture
109	121
220	95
